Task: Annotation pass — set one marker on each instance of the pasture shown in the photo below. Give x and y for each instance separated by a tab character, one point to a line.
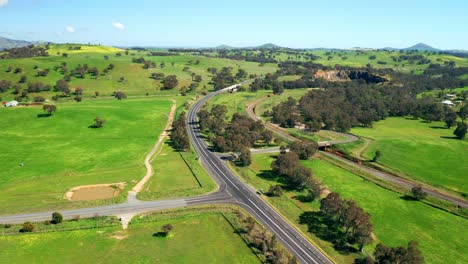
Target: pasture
426	152
62	151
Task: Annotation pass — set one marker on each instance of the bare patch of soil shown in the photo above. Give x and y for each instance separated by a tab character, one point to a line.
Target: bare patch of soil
94	192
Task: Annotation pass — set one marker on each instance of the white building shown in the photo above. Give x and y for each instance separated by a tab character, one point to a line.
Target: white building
447	102
11	104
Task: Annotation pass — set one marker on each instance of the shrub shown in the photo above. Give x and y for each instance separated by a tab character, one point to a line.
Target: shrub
57	218
27	227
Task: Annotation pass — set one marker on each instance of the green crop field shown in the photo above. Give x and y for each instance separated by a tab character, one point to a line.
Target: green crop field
396	221
423	151
137	80
196	238
61	151
176	174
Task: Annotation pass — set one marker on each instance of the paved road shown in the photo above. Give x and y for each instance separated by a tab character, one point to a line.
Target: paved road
459	201
246	197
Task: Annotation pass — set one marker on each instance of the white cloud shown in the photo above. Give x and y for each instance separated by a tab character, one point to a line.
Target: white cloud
116	25
3	3
69	29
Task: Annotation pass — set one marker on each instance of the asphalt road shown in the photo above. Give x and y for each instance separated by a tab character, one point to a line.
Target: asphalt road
246	197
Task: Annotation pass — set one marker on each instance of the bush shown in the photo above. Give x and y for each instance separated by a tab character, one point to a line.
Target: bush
27	227
57	218
418	193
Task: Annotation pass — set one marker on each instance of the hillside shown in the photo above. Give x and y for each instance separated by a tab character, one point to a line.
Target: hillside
6	43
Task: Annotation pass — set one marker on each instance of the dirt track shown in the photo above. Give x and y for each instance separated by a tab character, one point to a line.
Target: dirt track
149	169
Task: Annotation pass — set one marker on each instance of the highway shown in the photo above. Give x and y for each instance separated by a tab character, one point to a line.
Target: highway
246	197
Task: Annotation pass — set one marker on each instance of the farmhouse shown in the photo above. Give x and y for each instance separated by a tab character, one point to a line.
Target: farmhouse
11	104
447	102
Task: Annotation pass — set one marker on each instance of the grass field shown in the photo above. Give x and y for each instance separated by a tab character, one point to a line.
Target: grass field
137	79
361	59
173	178
61	151
396	221
423	151
196	238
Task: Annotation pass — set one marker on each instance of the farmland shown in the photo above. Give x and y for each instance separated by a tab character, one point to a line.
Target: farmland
62	151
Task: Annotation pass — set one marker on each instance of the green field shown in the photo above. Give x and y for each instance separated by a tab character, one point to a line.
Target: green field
61	151
137	79
396	221
196	238
423	151
361	59
173	178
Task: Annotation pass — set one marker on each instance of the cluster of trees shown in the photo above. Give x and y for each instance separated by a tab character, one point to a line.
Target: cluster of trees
341	108
170	82
225	77
405	255
291	172
261	57
179	137
264	243
146	63
222	78
25	52
347	216
239	135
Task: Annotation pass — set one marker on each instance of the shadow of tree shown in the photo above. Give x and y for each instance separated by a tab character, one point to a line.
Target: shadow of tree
448	137
160	234
438	127
43	115
319	225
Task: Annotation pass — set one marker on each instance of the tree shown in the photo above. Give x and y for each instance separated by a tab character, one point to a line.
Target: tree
57	218
410	255
27	227
267	136
275	190
170	82
98	122
314	189
461	130
23	79
50	109
418	193
120	95
285	164
245	157
377	155
450	118
463	112
179	137
167	228
304	149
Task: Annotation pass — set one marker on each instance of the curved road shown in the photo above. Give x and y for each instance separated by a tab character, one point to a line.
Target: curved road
350	138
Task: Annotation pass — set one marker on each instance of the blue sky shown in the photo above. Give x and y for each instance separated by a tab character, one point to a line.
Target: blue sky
202	23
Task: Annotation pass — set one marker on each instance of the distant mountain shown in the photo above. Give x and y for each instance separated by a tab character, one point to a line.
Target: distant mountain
6	43
421	47
268	46
226	47
261	47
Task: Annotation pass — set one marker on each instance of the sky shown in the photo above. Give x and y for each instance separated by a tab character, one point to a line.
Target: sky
208	23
